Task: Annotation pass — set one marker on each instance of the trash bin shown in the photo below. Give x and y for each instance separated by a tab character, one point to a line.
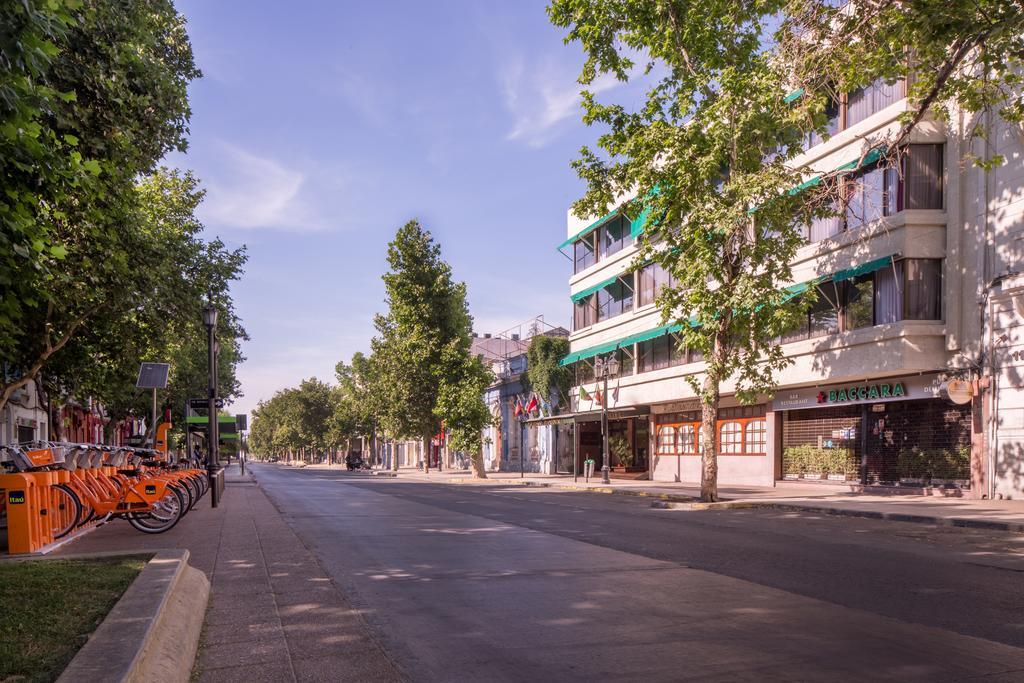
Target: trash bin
588	468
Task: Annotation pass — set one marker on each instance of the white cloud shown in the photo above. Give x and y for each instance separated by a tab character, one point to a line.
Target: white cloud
541	96
250	191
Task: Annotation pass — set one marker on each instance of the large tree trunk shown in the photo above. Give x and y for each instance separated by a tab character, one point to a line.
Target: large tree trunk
708	442
476	461
426	452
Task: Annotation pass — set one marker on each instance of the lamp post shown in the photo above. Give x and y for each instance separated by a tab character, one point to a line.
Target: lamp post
604	367
212	459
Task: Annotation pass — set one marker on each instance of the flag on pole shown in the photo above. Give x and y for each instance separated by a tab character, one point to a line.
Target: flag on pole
532	405
615	394
584	396
599	397
519	408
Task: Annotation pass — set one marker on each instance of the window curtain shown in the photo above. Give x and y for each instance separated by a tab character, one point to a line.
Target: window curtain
923	289
888	294
924	177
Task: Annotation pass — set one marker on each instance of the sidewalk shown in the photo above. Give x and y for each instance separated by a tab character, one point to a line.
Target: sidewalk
274	615
1001	515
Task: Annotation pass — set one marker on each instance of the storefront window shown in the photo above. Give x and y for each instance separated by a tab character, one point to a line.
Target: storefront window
666	440
756	436
730	437
687	439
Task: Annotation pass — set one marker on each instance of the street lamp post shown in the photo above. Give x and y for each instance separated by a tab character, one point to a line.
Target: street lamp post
603	368
213	459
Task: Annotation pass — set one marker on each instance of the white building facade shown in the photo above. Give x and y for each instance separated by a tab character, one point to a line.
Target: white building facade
908	371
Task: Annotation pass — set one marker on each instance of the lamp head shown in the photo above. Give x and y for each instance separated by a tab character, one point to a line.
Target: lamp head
210	315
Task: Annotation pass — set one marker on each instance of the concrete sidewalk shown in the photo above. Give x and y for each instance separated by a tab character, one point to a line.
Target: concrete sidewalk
274	615
1000	515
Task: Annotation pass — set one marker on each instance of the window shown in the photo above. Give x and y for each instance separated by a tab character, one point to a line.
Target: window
756	436
923	170
651	278
832	113
584	371
661	352
823	318
615	235
878	191
889	294
858	304
584	253
687	436
922	291
584	313
615	299
863	102
625	358
730	438
666	440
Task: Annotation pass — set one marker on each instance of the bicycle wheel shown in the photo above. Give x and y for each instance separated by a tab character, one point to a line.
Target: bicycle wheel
187	496
68	512
165	514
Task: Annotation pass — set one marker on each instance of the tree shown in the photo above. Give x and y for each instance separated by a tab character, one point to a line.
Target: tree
461	407
94	96
693	156
424	335
709	155
544	374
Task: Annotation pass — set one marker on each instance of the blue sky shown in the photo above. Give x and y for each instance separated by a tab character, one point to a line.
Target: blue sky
321	127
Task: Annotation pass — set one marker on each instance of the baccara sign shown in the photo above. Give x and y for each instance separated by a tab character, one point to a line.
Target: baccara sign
877	391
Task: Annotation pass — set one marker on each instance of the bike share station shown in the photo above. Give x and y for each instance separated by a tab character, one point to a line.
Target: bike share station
55	491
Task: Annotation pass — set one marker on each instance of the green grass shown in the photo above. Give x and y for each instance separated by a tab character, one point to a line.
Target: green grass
48	609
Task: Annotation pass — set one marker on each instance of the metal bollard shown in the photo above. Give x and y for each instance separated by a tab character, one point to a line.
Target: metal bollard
588	469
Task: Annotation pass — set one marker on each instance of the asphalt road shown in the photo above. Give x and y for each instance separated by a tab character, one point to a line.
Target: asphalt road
473	583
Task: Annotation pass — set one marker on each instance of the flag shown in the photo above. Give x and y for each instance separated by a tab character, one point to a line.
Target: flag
615	395
599	397
532	405
584	396
519	408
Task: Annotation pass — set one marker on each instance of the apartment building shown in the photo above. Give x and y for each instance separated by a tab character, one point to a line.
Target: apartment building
906	372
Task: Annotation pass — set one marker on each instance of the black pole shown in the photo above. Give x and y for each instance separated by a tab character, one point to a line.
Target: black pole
213	459
605	478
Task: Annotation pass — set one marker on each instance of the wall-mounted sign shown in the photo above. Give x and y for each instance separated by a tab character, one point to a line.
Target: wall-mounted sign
958	391
879	391
858	393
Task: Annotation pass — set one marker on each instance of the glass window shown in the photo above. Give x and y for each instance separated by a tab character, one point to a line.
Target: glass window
864	102
666	440
687	435
583	312
651	278
615	235
615	299
731	438
756	436
922	292
694	355
584	254
824	313
655	354
865	198
859	305
923	170
888	294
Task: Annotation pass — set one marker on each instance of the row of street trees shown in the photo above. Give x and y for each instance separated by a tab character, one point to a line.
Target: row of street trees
419	379
102	263
710	151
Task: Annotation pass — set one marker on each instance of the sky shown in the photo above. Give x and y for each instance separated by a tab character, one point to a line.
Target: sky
320	127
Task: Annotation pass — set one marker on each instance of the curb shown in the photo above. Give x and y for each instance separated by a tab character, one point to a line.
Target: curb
152	633
962	522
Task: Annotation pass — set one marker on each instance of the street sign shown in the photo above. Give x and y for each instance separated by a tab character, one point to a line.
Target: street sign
202	404
242	422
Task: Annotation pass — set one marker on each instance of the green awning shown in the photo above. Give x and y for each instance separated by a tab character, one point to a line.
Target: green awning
862	269
629	340
590	290
793	96
590	228
855	165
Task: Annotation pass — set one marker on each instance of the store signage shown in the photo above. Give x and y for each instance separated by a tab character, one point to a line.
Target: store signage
958	391
879	391
863	392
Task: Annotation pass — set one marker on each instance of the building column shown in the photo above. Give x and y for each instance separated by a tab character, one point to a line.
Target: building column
773	424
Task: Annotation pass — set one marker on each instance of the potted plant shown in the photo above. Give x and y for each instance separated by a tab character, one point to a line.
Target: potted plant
623	454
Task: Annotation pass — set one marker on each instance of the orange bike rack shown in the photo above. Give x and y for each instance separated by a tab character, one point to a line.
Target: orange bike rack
29	500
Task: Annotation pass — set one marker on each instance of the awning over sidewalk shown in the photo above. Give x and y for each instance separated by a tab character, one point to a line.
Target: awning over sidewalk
589	416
